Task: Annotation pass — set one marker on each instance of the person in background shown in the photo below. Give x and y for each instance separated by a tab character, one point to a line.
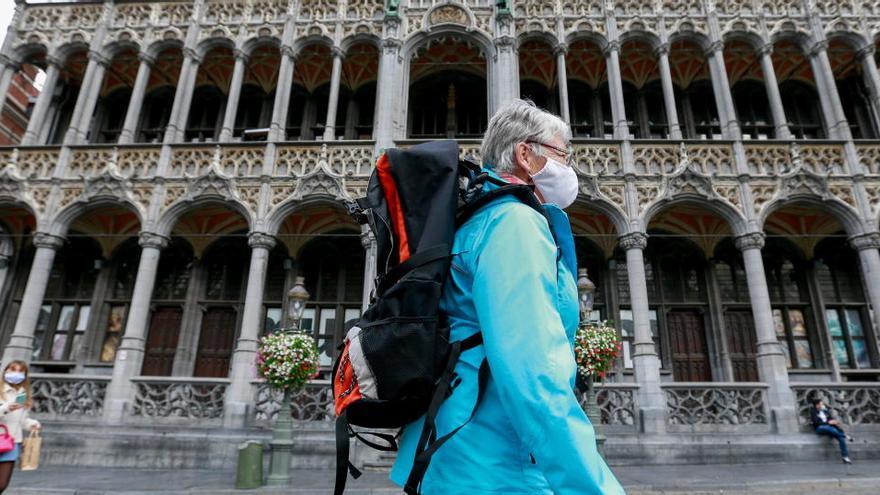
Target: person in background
15	402
826	425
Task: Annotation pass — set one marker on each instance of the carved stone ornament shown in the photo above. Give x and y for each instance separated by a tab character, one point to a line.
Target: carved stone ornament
43	240
448	14
803	182
152	240
261	240
211	183
108	184
11	184
861	242
633	240
752	240
688	181
321	181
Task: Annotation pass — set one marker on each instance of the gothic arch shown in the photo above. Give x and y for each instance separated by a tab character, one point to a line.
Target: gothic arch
651	39
734	218
604	206
249	46
358	38
855	41
205	47
157	47
62	220
597	39
114	48
698	39
844	213
169	218
277	216
754	40
311	39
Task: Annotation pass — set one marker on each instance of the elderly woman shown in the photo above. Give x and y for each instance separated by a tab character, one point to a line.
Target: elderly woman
512	278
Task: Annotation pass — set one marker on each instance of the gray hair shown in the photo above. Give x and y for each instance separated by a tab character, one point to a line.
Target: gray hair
517	122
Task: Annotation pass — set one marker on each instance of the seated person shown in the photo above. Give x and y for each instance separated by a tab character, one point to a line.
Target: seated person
826	425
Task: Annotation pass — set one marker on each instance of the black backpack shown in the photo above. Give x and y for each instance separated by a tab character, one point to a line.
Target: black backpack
397	362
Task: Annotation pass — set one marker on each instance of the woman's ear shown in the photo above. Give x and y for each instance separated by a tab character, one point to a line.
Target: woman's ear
521	154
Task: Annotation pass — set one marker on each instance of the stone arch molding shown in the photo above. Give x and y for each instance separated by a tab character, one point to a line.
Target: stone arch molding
322	182
591	195
13	189
802	184
108	187
689	183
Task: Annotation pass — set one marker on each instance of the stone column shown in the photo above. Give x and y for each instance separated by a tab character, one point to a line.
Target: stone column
133	113
723	97
368	241
241	61
278	127
86	99
240	392
772	367
21	343
615	88
38	114
8	68
130	354
872	80
186	82
668	91
832	108
504	81
562	81
333	102
869	257
646	363
387	95
780	124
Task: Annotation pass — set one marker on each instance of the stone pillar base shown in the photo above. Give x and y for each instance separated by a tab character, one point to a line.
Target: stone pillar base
652	420
235	414
783	419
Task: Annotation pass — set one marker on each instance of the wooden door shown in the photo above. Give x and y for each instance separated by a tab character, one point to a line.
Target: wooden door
687	340
742	345
215	343
162	341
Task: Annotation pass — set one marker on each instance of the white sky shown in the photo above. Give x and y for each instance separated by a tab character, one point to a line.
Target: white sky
7	7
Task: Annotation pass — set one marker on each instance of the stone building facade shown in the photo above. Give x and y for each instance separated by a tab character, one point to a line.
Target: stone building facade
186	160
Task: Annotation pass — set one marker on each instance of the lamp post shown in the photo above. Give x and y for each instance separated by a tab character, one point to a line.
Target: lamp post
282	433
586	291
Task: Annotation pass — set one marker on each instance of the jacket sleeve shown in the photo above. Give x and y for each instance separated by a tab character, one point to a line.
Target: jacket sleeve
530	357
4	406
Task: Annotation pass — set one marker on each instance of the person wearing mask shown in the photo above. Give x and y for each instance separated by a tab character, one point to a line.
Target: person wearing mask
512	278
826	425
15	402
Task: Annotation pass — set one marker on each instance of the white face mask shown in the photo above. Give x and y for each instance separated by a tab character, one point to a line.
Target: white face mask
557	182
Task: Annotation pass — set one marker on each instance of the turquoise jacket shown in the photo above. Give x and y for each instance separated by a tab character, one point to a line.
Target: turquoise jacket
529	435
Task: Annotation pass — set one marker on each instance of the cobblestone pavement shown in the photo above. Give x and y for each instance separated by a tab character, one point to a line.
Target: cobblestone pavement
800	478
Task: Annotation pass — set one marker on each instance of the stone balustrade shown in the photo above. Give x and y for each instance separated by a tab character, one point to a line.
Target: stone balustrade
617	405
715	406
314	402
856	403
171	398
59	396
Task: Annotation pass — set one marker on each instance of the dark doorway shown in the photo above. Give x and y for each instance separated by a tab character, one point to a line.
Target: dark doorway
742	345
215	343
162	341
687	340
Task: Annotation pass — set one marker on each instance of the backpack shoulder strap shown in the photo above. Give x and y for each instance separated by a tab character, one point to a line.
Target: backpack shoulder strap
521	192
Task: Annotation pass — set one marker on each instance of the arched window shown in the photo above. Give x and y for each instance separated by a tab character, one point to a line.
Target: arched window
114	309
206	114
801	104
254	112
66	308
155	113
645	111
333	267
110	115
739	323
542	96
448	104
582	109
846	311
66	91
360	113
278	282
786	270
296	113
697	111
169	297
753	109
225	267
856	101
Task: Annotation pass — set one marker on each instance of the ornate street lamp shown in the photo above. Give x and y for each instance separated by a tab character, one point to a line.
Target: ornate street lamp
282	434
586	293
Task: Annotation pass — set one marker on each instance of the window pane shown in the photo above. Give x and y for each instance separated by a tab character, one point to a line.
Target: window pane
840	353
273	320
65	321
351	315
787	352
113	335
308	319
778	323
58	344
627	328
328	321
796	323
833	319
627	357
861	352
83	319
622	283
325	351
804	353
854	323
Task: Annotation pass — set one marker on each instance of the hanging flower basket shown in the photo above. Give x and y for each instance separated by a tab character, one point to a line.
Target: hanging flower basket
596	346
287	360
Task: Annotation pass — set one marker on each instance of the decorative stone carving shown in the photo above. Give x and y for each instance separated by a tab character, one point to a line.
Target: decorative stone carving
448	14
688	182
12	186
321	181
152	240
212	183
43	240
715	405
633	240
752	240
803	182
108	184
861	242
261	240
